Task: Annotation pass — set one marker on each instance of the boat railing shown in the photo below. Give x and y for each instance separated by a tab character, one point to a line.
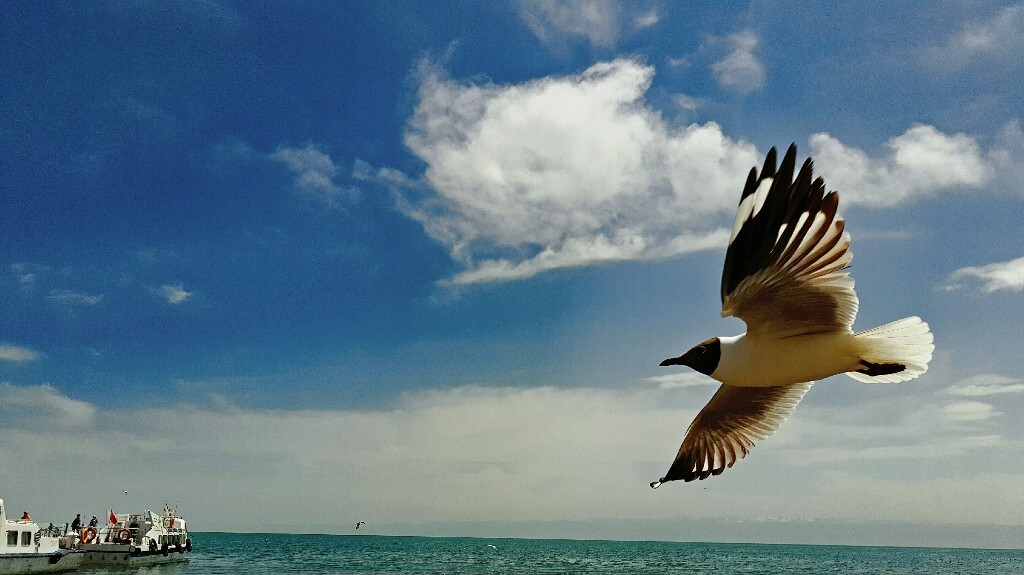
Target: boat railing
52	530
113	535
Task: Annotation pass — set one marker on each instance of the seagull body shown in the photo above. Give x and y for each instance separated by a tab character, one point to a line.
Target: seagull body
785	277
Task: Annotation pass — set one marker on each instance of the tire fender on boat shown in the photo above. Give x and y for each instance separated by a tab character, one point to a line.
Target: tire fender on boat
188	544
163	549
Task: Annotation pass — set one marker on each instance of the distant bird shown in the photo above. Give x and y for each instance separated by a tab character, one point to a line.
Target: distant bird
358	523
492	546
126	492
784	277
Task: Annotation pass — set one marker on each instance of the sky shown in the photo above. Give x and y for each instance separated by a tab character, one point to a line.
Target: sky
290	265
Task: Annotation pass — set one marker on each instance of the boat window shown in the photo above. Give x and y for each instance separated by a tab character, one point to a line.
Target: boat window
26	538
12	538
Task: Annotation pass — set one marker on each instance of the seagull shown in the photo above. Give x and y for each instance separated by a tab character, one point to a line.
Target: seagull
358	523
785	277
492	546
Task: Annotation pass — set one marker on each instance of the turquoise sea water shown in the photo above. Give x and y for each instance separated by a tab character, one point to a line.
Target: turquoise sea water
266	554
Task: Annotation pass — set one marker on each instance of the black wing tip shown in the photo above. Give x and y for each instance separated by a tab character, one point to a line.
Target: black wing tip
688	476
768	171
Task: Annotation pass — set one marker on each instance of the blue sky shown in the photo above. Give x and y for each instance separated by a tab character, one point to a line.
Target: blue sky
386	261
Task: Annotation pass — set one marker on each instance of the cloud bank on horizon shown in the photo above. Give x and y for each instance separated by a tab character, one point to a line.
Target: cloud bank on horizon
434	454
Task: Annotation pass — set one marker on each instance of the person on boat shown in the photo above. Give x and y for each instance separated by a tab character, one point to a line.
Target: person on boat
25	517
77	523
94	522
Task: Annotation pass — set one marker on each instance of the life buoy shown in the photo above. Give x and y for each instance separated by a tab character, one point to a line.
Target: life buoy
88	534
124	536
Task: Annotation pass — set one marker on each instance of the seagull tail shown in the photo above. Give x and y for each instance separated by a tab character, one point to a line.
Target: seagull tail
895	352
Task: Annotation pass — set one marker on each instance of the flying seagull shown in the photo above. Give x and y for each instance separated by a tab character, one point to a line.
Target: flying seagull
785	277
358	523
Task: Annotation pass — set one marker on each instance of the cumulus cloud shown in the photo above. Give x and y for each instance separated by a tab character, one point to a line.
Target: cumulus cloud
1000	36
17	353
595	20
740	70
921	162
999	276
173	294
567	171
314	175
579	170
987	384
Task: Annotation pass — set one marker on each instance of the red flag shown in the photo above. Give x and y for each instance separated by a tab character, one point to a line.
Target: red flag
113	518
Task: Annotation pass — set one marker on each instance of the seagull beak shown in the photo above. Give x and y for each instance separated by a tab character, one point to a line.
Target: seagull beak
672	361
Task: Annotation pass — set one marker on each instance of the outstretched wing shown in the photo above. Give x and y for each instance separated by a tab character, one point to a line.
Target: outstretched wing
724	431
784	266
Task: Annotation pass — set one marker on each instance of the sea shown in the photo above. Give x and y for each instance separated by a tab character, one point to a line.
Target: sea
272	554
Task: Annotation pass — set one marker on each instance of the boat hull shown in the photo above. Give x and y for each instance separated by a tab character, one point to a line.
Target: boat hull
18	563
123	556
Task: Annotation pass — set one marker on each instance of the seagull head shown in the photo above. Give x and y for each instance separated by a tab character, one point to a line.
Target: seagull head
702	357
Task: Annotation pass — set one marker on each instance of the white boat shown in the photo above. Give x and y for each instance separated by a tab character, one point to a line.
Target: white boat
25	548
130	539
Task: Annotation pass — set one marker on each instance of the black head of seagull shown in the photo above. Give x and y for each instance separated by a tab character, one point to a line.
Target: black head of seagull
702	357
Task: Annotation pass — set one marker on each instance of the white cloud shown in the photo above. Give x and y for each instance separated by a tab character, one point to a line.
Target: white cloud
39	406
680	380
579	170
173	294
595	20
920	162
314	175
568	171
969	411
646	20
25	275
1000	276
965	498
999	37
74	298
17	353
987	384
740	69
441	455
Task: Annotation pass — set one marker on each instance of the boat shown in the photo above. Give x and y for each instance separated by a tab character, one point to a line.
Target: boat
25	548
135	539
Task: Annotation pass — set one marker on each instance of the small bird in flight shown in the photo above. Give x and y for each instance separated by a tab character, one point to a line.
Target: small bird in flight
358	523
785	277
